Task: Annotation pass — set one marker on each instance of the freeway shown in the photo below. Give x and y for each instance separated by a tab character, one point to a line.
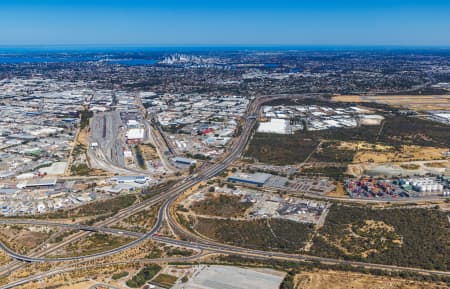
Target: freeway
205	245
70	226
96	255
124	213
81	265
171	195
228	249
216	247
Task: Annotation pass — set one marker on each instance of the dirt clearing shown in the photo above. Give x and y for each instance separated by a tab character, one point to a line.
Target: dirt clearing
344	280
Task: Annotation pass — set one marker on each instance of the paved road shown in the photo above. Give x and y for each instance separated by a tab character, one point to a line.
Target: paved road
170	196
71	226
177	189
83	265
202	245
228	249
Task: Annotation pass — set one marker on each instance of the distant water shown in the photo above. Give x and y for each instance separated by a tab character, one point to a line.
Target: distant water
43	59
133	62
22	59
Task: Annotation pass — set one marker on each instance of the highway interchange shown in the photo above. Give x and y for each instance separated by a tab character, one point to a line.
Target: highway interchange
167	199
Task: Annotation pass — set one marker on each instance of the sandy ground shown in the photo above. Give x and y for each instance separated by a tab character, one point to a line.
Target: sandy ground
407	153
23	239
346	280
149	153
400	168
416	102
83	137
339	191
4	258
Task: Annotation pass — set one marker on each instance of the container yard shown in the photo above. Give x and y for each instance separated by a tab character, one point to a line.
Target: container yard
372	188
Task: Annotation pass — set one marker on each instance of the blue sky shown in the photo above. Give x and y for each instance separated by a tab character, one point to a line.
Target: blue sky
231	22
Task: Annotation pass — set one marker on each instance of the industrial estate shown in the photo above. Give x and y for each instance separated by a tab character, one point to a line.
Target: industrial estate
233	169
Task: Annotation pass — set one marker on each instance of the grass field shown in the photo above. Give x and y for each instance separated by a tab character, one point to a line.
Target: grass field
165	280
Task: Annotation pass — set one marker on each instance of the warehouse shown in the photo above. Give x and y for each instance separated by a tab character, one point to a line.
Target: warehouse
130	179
42	183
135	135
257	179
184	161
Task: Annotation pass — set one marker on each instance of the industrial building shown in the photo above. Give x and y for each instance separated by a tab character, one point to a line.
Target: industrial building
135	135
42	183
258	179
130	179
184	161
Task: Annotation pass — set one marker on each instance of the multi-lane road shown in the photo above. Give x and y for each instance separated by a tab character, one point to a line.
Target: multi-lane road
169	197
206	245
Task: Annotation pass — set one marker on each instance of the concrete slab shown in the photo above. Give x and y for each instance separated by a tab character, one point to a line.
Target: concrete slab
229	277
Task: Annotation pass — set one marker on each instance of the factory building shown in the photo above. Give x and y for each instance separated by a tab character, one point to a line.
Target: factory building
135	135
184	161
130	179
257	179
40	183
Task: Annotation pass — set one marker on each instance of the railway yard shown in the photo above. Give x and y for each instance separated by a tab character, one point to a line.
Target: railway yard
133	188
250	198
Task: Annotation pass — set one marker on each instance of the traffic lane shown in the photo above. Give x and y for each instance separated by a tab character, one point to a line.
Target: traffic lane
250	252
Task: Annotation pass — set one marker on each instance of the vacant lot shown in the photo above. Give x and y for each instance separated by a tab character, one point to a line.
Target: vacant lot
405	237
23	238
404	154
333	152
165	280
94	243
281	149
109	206
344	280
396	131
417	102
399	138
140	222
336	172
264	234
144	275
148	151
4	258
220	205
